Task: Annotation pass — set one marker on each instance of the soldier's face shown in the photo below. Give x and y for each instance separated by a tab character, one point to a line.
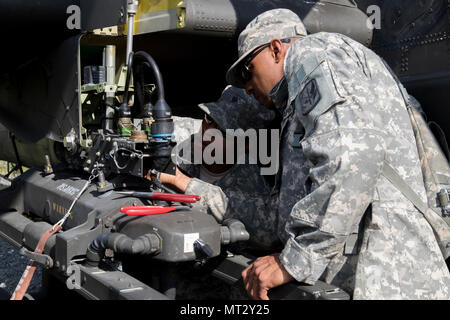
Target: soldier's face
266	70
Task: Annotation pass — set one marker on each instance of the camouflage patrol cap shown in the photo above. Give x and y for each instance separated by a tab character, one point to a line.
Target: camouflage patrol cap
237	110
272	24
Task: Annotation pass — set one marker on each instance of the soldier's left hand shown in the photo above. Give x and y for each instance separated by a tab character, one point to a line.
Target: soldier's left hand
264	274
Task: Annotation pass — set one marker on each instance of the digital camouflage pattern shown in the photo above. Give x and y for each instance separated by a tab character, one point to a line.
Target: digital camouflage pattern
235	110
435	166
354	119
191	285
185	127
242	193
277	23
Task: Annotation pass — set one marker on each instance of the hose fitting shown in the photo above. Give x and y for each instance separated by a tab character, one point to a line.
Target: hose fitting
146	244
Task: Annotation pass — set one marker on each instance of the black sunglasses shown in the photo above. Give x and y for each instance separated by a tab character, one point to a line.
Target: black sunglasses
246	75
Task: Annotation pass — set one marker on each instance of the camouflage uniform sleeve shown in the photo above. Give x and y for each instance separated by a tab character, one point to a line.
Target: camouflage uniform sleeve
242	195
347	164
211	197
344	153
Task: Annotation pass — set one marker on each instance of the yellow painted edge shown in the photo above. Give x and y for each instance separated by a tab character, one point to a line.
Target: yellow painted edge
149	6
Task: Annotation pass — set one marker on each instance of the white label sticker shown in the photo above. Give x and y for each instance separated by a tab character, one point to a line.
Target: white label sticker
67	189
189	241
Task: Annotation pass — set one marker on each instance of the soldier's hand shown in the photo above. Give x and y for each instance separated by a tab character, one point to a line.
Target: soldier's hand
163	177
178	180
264	274
152	175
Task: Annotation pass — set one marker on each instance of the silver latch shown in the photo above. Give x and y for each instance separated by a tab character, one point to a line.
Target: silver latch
444	201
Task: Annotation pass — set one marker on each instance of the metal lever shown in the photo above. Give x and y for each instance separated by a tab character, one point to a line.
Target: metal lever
202	246
41	259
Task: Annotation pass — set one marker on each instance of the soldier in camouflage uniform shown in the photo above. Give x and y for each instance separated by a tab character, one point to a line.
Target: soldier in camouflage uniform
343	117
241	192
246	191
185	127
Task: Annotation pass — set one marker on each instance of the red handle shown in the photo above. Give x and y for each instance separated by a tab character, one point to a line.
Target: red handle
176	197
145	210
124	209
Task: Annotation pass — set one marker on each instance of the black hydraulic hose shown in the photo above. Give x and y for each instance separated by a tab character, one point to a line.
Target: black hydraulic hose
120	243
140	97
144	57
137	61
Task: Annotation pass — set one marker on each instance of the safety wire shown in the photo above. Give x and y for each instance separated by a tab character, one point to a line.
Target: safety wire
113	154
94	174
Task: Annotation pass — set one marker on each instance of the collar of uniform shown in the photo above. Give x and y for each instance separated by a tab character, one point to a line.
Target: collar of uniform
279	95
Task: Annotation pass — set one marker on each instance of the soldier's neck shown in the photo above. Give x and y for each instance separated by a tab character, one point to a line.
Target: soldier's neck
279	95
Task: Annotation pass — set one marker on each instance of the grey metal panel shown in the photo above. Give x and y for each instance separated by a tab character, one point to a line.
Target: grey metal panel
175	229
215	16
96	14
98	284
228	17
50	196
340	17
12	225
414	39
40	98
30	154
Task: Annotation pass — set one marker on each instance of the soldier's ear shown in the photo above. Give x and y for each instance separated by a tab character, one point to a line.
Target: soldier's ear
276	48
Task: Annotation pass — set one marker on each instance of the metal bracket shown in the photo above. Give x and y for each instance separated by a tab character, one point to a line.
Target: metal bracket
444	201
41	259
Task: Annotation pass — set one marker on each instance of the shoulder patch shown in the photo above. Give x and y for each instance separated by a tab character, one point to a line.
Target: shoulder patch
309	97
313	89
